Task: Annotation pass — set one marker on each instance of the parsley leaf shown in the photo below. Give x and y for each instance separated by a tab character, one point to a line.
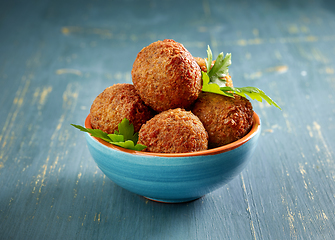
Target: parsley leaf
253	92
94	132
125	137
219	70
214	82
209	59
212	87
127	130
116	137
130	145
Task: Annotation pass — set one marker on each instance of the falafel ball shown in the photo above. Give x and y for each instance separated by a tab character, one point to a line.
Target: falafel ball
202	64
116	103
226	119
174	131
166	76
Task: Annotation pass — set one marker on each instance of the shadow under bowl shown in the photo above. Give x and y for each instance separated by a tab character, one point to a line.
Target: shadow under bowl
173	177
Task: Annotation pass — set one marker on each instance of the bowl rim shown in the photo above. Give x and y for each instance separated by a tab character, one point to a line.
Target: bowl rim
213	151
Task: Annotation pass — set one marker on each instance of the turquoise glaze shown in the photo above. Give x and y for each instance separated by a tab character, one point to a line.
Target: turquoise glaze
173	177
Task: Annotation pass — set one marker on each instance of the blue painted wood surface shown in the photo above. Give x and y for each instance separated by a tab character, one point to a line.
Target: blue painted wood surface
57	56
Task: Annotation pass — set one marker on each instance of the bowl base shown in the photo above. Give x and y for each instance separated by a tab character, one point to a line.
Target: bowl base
184	200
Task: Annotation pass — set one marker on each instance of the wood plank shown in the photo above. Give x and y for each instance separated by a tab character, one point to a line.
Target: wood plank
57	56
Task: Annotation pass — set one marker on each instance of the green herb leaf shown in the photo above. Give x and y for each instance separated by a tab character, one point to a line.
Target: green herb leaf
212	87
253	92
214	82
127	130
130	145
94	132
219	70
209	59
125	137
116	137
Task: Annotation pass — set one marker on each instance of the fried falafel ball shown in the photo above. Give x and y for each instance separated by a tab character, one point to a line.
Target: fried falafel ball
226	119
166	76
116	103
202	64
174	131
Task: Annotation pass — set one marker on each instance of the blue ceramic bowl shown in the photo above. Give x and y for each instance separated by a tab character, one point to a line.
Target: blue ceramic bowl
177	177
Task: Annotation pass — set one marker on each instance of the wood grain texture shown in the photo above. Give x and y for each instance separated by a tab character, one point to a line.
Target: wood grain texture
57	56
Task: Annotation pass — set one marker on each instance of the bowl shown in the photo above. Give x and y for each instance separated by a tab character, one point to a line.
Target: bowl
173	177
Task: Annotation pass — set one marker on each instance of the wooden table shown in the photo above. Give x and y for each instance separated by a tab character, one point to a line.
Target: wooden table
57	56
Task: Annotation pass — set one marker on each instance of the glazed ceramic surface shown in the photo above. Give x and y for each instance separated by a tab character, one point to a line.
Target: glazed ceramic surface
173	177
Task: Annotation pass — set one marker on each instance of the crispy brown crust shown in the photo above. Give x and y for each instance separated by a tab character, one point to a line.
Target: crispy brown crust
166	76
116	103
201	62
174	131
226	119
